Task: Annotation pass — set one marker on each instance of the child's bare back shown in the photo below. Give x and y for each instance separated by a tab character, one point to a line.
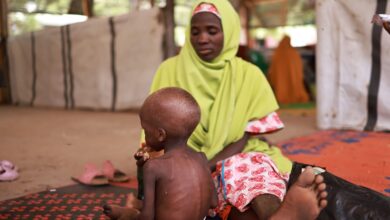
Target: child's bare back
183	184
178	184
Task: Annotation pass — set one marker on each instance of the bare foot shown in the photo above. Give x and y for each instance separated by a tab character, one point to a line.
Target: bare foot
305	199
120	213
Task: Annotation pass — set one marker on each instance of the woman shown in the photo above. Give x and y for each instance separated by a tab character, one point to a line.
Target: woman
236	102
235	98
286	74
233	94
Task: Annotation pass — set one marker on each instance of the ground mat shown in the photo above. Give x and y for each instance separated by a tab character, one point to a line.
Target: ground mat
362	158
71	202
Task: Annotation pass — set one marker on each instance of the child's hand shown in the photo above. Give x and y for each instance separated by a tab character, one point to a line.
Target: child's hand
142	155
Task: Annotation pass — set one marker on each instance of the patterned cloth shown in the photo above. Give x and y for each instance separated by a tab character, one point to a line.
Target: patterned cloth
206	7
269	123
242	177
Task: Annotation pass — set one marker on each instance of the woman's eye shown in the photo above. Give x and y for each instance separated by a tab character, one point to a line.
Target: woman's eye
194	31
213	31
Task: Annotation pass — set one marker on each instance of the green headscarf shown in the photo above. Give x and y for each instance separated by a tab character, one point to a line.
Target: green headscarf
230	91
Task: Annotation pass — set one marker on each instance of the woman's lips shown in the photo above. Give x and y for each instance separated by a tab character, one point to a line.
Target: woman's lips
205	51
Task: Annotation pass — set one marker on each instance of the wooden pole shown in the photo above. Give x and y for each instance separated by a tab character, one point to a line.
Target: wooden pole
88	8
5	90
81	7
169	36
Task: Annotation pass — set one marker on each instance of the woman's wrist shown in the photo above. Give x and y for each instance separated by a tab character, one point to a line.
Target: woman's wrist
228	151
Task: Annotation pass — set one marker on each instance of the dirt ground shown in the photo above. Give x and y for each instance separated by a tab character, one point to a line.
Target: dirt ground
50	145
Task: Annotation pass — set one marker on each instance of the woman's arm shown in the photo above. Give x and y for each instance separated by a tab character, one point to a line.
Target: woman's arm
230	150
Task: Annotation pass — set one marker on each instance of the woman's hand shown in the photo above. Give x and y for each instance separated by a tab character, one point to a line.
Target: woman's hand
229	150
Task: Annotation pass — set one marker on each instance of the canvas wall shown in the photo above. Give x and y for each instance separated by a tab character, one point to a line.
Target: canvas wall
103	64
353	65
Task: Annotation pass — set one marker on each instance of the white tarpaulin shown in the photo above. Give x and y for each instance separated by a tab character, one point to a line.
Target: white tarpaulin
353	65
104	63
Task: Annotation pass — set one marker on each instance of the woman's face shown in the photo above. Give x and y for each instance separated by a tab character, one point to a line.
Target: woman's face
206	35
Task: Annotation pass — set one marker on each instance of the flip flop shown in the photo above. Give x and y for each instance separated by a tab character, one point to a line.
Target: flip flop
8	171
91	176
113	174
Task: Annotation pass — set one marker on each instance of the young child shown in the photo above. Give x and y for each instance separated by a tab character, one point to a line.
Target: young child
178	184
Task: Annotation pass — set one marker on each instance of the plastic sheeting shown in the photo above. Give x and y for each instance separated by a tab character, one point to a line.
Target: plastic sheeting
104	63
353	66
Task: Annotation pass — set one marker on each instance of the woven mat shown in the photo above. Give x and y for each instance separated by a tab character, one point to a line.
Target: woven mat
71	202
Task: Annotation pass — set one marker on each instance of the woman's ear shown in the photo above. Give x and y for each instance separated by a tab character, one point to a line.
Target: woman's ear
162	135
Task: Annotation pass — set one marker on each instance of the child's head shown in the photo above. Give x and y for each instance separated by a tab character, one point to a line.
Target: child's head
169	113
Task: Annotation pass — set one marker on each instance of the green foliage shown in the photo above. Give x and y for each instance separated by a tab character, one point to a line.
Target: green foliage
22	23
111	7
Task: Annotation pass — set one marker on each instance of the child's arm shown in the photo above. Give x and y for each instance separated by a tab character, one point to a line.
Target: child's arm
214	196
149	177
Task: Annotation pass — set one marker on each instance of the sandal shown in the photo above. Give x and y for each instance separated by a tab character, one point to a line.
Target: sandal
91	176
8	171
113	174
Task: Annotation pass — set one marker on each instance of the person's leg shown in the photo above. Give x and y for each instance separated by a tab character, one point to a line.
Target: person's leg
305	199
265	205
261	207
235	214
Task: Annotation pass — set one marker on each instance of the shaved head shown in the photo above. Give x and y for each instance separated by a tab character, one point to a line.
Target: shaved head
173	109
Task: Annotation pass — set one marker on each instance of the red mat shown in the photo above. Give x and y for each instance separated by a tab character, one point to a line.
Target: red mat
359	157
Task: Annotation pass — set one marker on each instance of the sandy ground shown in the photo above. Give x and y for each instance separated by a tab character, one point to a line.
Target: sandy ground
50	145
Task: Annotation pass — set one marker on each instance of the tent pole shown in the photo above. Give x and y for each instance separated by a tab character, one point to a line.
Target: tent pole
5	90
169	23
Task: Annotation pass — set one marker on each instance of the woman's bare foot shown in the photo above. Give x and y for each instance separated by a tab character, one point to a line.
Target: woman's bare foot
120	213
305	199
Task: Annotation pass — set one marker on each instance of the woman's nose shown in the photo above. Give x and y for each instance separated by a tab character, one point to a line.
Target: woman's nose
203	38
